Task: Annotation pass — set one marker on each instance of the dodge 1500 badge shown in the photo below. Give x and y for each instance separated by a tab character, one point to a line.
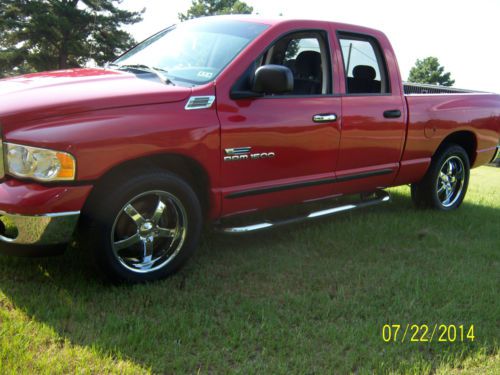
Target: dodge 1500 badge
217	117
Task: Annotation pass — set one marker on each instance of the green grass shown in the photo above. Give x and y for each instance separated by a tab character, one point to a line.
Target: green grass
308	298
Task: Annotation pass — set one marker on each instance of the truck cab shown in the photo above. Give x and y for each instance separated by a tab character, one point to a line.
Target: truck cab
344	121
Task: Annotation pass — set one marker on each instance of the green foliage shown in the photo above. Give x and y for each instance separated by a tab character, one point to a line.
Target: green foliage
429	71
49	34
292	49
203	8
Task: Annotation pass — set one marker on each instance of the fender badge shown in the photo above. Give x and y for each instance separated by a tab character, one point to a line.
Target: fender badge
243	153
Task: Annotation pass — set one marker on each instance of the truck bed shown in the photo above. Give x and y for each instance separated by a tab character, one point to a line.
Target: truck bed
411	88
433	118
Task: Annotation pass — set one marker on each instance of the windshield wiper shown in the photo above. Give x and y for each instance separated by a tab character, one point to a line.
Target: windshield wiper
156	71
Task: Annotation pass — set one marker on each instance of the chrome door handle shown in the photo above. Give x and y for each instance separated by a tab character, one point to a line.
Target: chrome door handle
325	117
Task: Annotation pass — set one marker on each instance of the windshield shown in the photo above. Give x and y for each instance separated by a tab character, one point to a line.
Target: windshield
194	52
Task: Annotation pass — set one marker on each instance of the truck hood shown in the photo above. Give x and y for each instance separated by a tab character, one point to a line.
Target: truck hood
41	95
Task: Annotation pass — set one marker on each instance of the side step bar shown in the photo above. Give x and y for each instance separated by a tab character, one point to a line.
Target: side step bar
379	196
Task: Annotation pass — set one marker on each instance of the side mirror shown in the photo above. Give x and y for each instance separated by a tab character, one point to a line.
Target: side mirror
273	79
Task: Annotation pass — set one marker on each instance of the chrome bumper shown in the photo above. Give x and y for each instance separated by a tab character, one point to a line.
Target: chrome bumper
40	230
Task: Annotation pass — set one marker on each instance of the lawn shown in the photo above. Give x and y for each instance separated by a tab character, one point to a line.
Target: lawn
305	299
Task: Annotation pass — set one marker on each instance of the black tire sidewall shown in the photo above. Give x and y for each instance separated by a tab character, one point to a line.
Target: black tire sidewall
109	204
437	164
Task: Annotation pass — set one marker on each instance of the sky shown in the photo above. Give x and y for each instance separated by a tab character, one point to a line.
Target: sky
463	35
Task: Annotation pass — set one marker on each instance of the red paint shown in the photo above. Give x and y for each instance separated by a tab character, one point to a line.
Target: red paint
105	118
368	139
18	197
53	94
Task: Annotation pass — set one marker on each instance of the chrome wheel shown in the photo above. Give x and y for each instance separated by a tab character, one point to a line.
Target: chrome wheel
149	231
450	181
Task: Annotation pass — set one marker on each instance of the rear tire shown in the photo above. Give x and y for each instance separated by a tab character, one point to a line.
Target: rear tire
445	184
143	228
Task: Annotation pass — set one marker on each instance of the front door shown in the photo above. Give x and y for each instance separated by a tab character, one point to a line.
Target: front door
282	149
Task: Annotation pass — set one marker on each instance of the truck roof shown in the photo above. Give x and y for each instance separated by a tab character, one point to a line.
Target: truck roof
274	21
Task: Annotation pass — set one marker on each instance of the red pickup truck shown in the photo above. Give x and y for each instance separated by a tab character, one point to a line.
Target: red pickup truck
218	117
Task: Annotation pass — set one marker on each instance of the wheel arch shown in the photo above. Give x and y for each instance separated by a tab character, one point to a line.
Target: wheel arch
464	138
185	167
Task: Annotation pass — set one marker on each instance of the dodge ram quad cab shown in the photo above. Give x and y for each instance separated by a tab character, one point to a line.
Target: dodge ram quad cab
218	117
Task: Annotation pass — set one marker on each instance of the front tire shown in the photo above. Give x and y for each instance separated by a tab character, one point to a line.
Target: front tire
445	184
144	228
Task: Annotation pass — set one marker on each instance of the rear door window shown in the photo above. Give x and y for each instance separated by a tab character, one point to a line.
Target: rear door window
364	68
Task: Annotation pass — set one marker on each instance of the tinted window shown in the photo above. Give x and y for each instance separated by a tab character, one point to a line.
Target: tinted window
363	65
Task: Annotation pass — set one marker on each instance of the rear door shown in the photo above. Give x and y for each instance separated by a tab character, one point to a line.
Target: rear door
373	116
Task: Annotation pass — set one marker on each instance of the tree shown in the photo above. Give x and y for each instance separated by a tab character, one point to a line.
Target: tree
429	71
203	8
58	34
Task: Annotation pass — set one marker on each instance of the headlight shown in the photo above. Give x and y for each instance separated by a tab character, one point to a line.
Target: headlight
39	163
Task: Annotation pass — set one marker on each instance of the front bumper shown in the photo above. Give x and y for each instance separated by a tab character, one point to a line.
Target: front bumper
49	229
36	235
36	219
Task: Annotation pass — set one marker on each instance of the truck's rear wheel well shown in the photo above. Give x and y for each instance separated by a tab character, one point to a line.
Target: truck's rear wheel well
188	169
465	139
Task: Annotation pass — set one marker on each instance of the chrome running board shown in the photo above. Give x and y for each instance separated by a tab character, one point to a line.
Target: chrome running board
379	196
